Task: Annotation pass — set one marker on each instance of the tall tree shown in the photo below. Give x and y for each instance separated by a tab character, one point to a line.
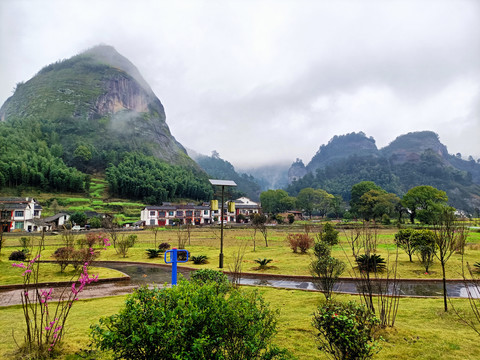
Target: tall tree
424	198
357	192
374	203
310	200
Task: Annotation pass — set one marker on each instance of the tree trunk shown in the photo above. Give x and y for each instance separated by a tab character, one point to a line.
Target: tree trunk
444	287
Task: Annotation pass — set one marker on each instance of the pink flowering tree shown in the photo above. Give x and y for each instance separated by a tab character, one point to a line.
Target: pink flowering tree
45	319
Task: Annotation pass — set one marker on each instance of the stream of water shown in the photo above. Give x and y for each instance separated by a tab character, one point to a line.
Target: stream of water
148	274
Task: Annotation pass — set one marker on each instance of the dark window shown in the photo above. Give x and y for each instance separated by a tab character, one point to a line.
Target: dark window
179	213
18	213
161	213
189	213
152	213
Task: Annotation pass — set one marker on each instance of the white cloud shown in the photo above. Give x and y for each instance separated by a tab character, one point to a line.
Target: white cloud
278	77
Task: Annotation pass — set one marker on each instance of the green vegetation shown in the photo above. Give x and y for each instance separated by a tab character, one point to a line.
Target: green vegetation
422	330
350	159
346	330
140	177
59	130
190	321
218	168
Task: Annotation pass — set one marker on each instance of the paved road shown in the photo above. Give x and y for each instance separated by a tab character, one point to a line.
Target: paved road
13	297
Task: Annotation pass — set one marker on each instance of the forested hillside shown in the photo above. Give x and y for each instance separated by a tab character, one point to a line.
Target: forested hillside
411	160
218	168
89	114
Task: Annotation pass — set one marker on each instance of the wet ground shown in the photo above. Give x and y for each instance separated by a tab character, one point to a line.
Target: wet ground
150	274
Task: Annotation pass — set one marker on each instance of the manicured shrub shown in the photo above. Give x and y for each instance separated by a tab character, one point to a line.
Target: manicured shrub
321	249
153	253
263	262
63	257
164	247
328	234
18	255
199	259
301	242
404	239
189	321
24	242
125	243
371	263
207	276
346	331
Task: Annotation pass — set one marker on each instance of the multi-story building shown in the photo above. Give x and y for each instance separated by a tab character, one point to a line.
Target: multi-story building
20	214
170	214
246	207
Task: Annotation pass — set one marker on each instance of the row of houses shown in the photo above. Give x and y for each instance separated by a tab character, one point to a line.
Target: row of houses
171	214
24	214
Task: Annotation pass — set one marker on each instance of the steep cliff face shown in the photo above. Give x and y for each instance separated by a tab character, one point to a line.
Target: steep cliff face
97	99
122	93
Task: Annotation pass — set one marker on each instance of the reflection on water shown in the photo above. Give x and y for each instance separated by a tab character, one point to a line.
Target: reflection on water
148	274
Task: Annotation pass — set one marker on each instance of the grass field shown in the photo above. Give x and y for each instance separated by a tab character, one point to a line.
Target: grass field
422	329
206	241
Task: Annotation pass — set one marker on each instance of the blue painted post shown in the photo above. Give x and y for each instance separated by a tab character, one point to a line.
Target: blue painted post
174	260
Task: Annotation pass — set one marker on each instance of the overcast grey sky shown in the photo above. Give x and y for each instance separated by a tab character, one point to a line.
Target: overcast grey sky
270	81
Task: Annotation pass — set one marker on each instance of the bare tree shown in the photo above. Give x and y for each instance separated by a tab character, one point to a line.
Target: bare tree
259	222
155	230
376	282
111	226
448	235
472	286
236	266
182	237
353	238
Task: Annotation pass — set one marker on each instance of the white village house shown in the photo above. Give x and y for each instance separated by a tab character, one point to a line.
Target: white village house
166	214
20	214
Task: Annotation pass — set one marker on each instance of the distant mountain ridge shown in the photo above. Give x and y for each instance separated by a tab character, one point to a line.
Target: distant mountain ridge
416	158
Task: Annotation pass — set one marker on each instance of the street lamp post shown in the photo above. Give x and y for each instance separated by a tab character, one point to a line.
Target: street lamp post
222	183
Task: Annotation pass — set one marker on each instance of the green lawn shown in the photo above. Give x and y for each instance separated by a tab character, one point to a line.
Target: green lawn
206	241
422	329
